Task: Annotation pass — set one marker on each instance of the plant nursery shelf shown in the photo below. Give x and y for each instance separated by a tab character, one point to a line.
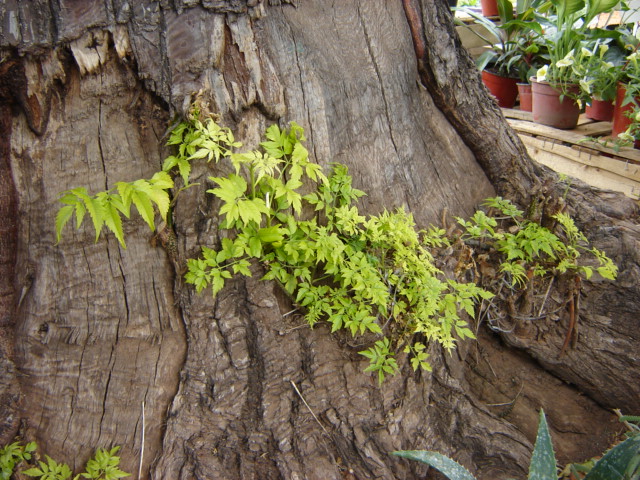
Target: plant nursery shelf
575	153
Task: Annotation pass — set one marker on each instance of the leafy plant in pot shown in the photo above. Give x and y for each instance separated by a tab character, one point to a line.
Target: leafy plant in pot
556	89
626	115
513	48
601	67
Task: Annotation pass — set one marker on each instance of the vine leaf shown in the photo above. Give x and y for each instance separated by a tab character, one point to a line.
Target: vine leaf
106	208
63	216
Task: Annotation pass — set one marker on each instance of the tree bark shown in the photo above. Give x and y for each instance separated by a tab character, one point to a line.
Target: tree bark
234	387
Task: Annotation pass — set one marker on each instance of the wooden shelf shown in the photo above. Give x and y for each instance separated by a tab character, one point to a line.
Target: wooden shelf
577	153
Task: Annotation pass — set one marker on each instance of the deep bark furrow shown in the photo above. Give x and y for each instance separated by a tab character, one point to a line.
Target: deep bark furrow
9	389
436	66
89	342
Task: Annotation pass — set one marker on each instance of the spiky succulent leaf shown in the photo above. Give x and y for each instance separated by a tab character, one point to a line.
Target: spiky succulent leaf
543	460
615	463
448	467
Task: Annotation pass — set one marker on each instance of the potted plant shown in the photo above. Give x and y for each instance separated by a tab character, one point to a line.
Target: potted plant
626	114
627	103
600	80
513	47
533	55
556	87
600	70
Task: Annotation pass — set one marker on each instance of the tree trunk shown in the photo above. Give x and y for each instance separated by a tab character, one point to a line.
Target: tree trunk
233	387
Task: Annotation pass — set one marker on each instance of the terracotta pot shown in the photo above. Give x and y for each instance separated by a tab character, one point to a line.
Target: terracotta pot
601	110
549	110
503	88
526	97
489	8
620	120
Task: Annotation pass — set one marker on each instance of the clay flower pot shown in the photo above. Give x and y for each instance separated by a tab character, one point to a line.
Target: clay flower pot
503	88
549	109
526	97
600	110
489	8
620	120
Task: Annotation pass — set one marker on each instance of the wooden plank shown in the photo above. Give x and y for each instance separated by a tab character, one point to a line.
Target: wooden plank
517	114
565	160
569	136
546	131
586	157
586	126
583	119
594	129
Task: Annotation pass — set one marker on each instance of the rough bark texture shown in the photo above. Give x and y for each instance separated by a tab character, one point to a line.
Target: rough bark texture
380	86
605	357
9	389
98	327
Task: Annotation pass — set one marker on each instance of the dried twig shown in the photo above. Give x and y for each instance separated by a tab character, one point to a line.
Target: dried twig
141	444
544	301
572	323
308	407
510	405
631	427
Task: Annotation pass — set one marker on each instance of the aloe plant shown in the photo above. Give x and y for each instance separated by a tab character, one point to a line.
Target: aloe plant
622	462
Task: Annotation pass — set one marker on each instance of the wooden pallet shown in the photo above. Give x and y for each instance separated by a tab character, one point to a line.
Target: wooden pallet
576	154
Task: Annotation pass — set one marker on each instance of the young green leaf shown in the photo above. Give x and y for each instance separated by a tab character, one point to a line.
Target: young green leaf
230	188
63	216
143	204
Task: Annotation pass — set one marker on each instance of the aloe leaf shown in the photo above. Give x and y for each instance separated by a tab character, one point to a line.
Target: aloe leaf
450	468
543	460
615	462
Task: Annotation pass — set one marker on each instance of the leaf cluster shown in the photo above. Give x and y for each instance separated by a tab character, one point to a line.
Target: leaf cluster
107	208
102	466
12	455
371	275
362	274
528	249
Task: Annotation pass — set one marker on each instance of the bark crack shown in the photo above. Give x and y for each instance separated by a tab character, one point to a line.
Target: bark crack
106	394
100	148
303	91
125	298
376	67
75	396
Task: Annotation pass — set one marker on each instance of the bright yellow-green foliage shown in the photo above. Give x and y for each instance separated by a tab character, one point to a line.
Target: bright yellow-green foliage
360	273
12	455
106	208
366	274
527	246
103	465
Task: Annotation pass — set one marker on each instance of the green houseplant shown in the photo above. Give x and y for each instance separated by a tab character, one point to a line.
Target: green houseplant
556	86
601	67
515	47
626	116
